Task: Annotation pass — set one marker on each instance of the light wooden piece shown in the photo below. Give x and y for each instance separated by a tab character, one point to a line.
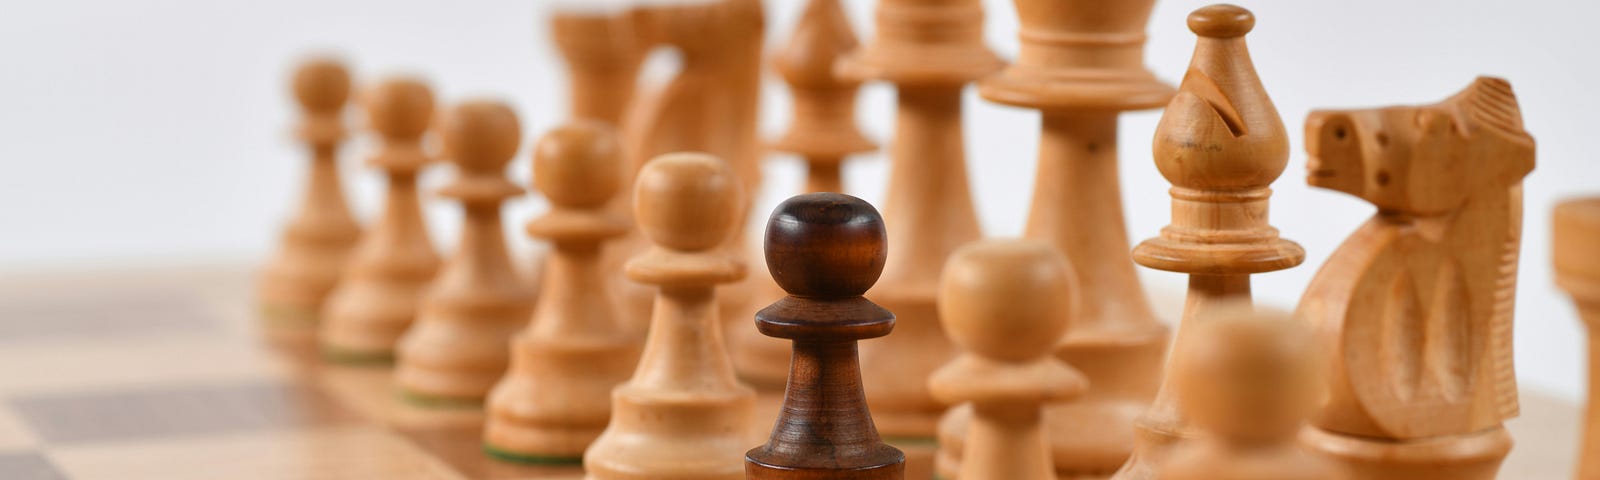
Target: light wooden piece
683	415
929	203
1248	380
1576	254
709	106
825	250
556	398
1417	304
377	298
317	242
1221	144
458	347
1081	63
1007	304
823	132
603	55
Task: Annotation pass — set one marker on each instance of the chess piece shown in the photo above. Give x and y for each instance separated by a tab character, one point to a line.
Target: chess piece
318	240
556	398
603	57
683	415
1006	303
457	348
1221	144
1247	380
825	250
823	133
1079	86
709	106
377	298
1576	236
1418	301
929	204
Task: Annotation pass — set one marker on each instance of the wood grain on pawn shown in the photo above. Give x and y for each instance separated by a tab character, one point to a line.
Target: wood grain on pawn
1576	235
1006	304
1081	64
825	250
555	400
317	242
823	132
1221	144
378	294
1247	380
458	347
930	50
683	415
1418	302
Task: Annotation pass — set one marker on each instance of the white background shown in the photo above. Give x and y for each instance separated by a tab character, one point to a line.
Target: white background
155	133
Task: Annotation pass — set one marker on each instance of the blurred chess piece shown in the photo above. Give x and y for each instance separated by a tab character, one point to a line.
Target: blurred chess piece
1007	303
603	55
1577	260
710	106
683	415
823	132
459	345
317	242
1418	302
1247	380
379	292
930	50
825	250
1081	64
1221	144
556	398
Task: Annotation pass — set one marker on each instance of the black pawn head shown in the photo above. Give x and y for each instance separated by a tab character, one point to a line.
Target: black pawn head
825	245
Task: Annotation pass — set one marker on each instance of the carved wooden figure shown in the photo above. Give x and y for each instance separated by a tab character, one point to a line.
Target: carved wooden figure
929	204
603	54
317	242
1248	380
1007	303
1576	236
1081	63
709	106
823	133
825	250
1417	303
556	398
1221	144
683	415
458	347
377	298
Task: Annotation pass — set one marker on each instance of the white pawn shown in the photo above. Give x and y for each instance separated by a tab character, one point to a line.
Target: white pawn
683	415
1005	304
457	349
555	400
1247	380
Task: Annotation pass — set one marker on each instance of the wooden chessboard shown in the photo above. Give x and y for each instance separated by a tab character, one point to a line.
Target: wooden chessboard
161	375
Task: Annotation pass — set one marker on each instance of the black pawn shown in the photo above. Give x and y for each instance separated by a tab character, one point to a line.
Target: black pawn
825	250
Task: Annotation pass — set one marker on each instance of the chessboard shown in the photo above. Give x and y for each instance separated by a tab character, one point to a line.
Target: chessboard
163	375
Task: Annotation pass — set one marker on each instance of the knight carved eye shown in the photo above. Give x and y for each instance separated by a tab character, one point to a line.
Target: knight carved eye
1382	177
1339	132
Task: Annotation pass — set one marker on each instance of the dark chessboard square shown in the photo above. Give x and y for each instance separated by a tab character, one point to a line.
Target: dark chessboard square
28	466
62	419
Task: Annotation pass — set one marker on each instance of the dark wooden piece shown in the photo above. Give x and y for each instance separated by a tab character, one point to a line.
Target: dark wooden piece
825	250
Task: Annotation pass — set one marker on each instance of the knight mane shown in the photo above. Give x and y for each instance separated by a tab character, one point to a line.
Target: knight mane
1489	103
